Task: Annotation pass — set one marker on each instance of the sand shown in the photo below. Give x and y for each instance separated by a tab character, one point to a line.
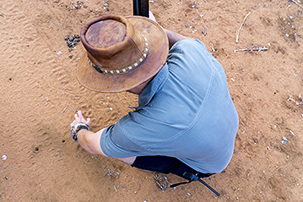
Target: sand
40	92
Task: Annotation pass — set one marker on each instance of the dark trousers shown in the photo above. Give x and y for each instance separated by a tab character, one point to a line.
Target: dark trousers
164	164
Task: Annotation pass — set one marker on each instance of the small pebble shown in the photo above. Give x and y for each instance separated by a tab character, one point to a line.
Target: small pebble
4	157
284	140
70	57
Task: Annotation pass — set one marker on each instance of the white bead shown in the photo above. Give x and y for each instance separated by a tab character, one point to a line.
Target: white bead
130	67
140	59
124	70
118	71
136	64
111	71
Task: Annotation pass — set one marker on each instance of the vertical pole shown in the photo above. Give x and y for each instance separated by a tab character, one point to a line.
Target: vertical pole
141	7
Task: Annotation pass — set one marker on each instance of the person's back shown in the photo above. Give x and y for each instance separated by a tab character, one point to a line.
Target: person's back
185	112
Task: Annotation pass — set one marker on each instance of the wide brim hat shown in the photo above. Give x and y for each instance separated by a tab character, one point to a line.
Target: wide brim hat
121	52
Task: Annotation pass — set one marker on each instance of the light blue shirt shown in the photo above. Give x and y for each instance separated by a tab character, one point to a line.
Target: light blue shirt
185	112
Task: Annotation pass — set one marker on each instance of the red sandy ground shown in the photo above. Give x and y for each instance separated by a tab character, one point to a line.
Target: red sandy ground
39	92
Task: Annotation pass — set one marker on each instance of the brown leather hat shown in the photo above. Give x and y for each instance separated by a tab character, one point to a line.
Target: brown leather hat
121	52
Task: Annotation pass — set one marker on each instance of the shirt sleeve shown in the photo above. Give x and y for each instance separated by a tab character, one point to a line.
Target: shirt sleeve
115	143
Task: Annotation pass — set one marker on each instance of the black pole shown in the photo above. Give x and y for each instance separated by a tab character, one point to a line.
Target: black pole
141	7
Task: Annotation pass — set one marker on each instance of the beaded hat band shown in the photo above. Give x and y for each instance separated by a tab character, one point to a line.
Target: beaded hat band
124	69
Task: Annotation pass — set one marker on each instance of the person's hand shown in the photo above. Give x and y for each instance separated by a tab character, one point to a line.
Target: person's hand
152	17
80	119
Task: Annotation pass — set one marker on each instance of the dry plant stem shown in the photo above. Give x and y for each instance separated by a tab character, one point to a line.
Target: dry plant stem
252	49
237	33
65	96
3	105
63	110
297	3
204	30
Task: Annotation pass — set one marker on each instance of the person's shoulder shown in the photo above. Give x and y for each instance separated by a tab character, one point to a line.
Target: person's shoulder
188	47
187	42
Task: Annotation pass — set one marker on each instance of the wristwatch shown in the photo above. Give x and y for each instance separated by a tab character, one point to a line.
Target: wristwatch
76	128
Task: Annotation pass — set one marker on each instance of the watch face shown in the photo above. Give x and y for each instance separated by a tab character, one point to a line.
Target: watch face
75	137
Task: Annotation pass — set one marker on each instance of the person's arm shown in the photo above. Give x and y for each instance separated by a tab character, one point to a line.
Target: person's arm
90	141
173	37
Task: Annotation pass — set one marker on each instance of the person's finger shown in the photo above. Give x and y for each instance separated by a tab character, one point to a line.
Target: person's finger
88	121
80	115
76	116
73	123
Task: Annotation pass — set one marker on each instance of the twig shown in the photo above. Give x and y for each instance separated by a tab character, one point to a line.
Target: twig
200	14
58	25
2	15
63	110
297	3
71	107
286	177
204	30
65	96
253	49
290	98
61	87
237	33
4	105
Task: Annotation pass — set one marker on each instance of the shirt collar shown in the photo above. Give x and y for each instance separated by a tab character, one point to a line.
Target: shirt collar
152	87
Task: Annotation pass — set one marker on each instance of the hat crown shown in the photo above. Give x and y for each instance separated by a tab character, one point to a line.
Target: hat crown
106	33
113	45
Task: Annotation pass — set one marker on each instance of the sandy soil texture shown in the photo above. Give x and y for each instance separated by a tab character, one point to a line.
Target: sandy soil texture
40	92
